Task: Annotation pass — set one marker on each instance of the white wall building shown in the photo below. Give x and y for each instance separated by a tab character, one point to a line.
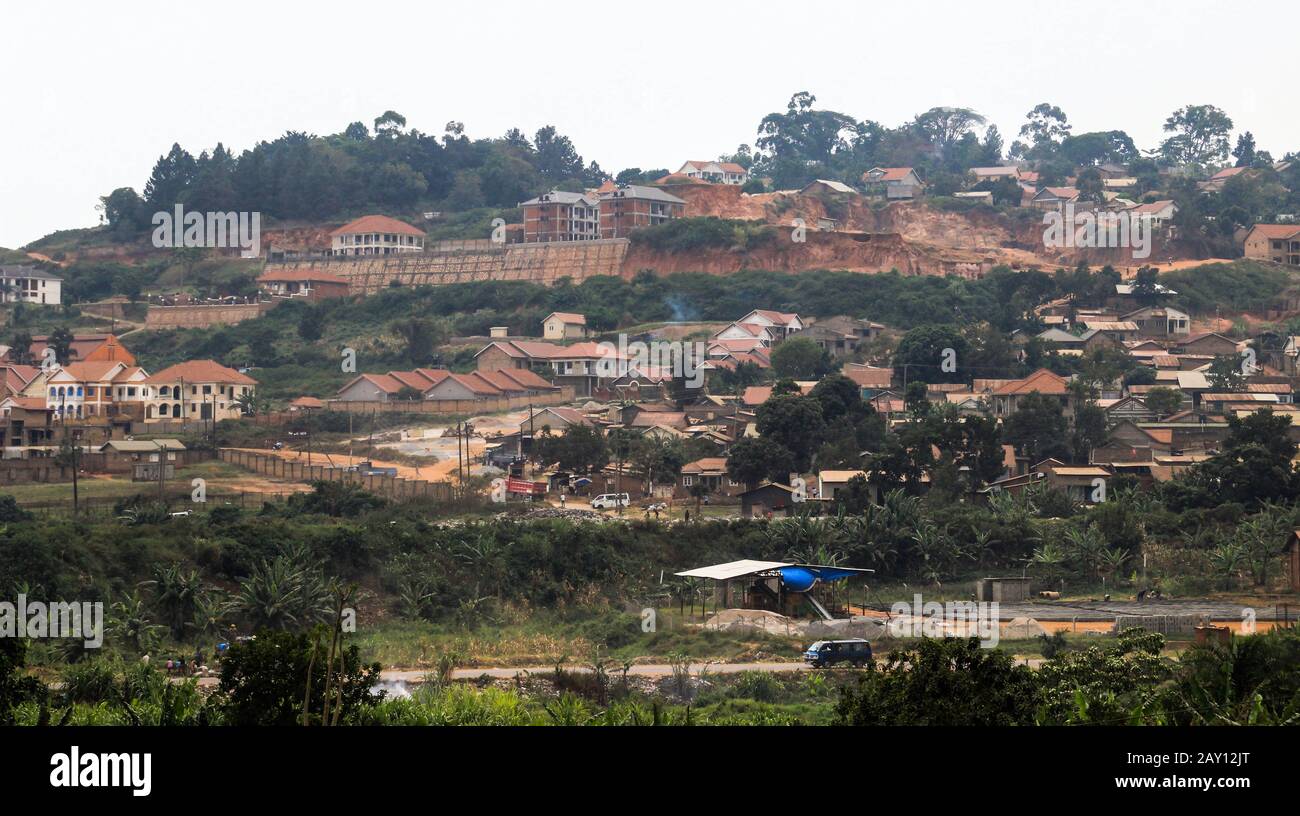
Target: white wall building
27	284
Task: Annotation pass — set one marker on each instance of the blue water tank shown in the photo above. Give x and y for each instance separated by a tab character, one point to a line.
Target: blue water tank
798	579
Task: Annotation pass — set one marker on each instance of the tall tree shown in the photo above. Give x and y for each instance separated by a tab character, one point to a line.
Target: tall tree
1200	136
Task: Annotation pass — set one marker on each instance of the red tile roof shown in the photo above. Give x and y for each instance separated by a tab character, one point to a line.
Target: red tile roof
1277	231
201	371
869	376
756	395
1042	381
377	223
890	174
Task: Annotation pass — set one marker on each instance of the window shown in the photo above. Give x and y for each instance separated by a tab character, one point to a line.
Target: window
687	481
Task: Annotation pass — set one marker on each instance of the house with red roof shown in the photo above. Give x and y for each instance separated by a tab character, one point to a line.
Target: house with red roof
715	172
1217	181
195	390
892	182
869	379
779	324
561	216
376	235
1279	243
81	390
310	284
1054	198
1008	396
85	348
27	423
564	326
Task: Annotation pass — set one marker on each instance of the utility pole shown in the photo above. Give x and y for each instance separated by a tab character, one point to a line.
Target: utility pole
532	432
76	504
460	476
162	470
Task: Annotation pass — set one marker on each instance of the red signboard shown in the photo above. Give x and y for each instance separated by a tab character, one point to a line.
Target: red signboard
524	486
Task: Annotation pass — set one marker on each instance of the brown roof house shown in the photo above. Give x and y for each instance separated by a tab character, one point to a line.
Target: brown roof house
709	474
1279	243
1007	397
310	284
376	235
564	326
899	183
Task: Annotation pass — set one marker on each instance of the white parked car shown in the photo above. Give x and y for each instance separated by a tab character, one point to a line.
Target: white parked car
608	501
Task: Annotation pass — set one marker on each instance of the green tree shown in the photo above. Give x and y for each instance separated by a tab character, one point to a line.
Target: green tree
799	359
580	449
270	679
942	681
793	422
61	342
924	351
1038	428
753	460
420	336
1163	401
1200	136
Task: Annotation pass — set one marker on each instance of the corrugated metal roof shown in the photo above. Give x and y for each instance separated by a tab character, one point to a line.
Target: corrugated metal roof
733	569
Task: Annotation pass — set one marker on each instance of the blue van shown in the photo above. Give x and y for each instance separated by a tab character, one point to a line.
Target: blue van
856	652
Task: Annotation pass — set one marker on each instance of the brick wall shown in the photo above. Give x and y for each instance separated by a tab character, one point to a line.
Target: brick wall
391	487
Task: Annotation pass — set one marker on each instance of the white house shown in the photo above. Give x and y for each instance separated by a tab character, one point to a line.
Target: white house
564	326
27	284
717	172
764	335
780	324
376	235
1160	212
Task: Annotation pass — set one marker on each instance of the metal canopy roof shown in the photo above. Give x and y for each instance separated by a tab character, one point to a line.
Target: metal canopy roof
736	569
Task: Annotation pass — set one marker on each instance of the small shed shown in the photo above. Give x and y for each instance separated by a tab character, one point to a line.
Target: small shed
1002	590
770	497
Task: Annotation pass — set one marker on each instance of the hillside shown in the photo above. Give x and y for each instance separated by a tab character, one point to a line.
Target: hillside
295	348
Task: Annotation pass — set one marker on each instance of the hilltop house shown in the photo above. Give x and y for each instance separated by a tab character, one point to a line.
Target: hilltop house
1054	198
376	235
561	216
633	206
564	326
310	284
1279	243
27	284
780	324
716	172
995	173
892	182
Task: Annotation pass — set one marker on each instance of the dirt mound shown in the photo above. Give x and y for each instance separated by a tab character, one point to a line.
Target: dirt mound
754	620
1022	629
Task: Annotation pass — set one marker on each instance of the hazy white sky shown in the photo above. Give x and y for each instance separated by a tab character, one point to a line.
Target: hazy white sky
94	92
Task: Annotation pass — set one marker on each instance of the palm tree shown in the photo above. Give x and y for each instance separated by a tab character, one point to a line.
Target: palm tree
283	593
131	623
175	594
